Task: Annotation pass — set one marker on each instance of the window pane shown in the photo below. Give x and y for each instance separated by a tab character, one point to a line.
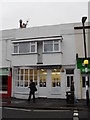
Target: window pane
68	83
69	71
83	81
56	77
21	74
35	77
56	47
26	74
24	47
42	78
15	49
48	46
32	48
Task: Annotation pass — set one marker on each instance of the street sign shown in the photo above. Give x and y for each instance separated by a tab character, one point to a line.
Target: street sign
81	66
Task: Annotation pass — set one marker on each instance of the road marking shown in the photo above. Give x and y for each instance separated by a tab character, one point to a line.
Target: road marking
75	115
51	110
9	108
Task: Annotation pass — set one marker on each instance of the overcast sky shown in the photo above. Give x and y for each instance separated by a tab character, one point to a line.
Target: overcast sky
41	13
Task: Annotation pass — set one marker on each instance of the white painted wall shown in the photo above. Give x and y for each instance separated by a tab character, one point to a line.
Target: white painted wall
22	60
52	59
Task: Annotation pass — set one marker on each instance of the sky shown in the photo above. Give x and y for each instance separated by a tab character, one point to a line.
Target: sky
41	13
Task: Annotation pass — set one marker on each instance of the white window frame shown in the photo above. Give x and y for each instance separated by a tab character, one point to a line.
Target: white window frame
17	44
31	43
53	47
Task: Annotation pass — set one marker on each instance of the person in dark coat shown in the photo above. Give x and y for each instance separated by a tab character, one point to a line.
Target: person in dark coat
32	90
72	89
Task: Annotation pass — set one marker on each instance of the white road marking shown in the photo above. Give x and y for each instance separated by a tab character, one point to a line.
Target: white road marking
9	108
50	110
75	115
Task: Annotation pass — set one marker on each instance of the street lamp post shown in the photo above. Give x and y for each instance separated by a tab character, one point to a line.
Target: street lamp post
85	61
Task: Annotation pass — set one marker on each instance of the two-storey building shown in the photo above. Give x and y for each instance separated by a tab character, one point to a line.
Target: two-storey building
45	54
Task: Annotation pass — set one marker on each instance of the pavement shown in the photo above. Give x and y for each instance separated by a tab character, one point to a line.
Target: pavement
44	103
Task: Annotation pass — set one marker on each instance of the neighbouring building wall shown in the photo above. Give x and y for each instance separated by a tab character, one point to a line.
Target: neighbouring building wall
7	36
68	45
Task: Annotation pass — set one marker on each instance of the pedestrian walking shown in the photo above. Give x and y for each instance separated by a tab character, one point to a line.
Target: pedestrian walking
72	89
33	88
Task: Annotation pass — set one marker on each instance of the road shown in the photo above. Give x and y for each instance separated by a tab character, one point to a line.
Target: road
8	112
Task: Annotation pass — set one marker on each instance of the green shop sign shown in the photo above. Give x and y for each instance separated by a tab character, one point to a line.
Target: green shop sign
81	66
5	71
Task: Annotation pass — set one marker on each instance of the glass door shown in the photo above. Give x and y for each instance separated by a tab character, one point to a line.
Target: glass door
56	81
42	83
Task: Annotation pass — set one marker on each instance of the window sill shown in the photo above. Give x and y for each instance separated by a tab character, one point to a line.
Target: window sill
52	52
22	53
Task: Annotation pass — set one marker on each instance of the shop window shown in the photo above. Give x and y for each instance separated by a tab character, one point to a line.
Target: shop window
42	78
35	77
21	77
56	78
69	80
26	77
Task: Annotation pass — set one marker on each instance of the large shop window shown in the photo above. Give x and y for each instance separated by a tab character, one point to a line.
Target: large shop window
42	77
51	46
25	47
56	78
23	76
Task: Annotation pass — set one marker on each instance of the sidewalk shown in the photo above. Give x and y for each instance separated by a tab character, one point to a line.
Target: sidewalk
43	103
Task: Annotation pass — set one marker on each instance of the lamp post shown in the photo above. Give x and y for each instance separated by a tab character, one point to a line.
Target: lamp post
85	61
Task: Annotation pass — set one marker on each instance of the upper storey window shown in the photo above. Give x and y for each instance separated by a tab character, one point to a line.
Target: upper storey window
51	46
25	47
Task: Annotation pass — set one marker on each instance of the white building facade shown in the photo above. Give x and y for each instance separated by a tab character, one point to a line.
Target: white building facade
46	55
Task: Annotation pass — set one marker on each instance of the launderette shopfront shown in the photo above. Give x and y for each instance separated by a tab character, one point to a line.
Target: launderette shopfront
48	81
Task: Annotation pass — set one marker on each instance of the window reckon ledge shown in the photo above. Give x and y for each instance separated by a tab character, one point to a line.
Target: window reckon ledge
22	53
52	52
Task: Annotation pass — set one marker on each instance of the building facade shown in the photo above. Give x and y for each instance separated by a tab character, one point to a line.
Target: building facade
46	55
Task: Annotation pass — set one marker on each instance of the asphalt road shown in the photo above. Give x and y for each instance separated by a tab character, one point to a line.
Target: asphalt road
26	113
36	113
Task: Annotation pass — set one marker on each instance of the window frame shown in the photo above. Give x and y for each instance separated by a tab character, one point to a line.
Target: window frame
14	45
53	45
31	44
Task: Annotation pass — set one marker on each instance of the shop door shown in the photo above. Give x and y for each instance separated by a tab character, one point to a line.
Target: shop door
56	81
42	83
83	88
69	80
